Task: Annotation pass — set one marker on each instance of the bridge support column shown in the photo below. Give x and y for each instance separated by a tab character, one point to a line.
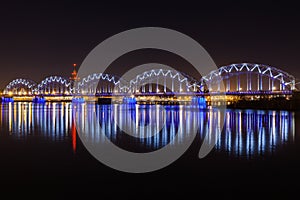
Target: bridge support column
247	82
54	89
282	86
150	86
238	86
293	85
261	84
257	82
250	82
228	85
165	85
180	87
157	90
209	87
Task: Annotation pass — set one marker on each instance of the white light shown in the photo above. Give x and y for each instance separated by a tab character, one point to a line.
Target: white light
274	88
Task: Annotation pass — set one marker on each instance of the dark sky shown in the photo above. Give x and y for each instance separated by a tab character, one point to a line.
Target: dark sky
38	39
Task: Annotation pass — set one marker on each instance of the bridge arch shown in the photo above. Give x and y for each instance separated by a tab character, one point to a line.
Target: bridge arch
54	85
20	86
101	83
163	80
249	77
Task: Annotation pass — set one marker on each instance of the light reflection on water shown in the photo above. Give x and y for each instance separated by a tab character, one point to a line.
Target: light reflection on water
256	132
52	121
246	133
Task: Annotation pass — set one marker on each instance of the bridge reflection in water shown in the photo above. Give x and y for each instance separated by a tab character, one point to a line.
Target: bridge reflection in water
246	133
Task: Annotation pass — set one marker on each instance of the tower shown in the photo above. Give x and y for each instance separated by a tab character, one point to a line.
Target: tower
74	76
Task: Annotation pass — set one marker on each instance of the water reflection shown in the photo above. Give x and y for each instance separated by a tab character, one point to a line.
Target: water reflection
52	121
246	133
150	126
250	132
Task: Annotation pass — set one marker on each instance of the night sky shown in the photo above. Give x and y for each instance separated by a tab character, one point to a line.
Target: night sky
39	39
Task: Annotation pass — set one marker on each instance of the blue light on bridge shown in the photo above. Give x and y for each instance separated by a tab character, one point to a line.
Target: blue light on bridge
38	100
199	101
129	100
7	99
78	100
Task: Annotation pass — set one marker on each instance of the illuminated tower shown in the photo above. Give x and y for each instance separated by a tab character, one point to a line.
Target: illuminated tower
74	76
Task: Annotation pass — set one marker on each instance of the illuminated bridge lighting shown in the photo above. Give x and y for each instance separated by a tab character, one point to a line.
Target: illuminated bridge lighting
254	80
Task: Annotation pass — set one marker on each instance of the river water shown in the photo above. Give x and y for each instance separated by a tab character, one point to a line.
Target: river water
255	149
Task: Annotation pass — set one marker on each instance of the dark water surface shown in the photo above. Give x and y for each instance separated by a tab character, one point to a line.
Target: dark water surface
40	152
